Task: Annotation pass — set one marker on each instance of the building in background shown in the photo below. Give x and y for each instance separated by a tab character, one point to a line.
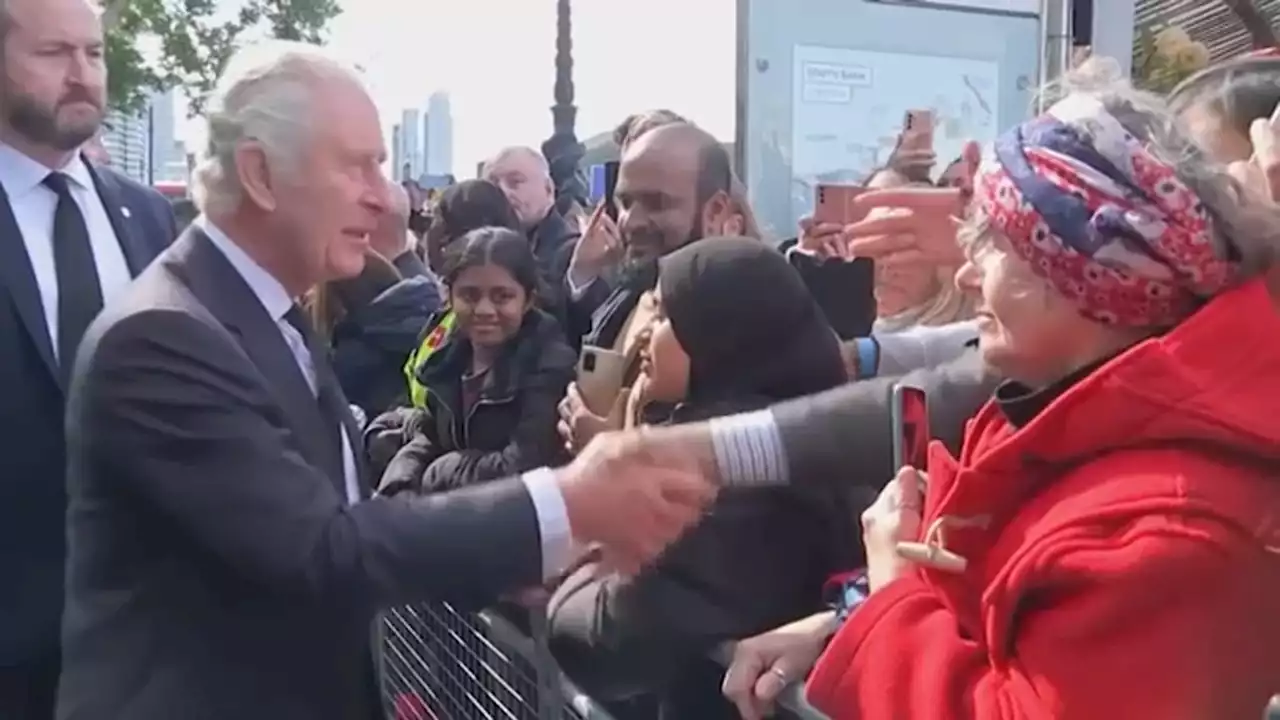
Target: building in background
438	128
397	158
426	140
125	139
145	146
168	155
410	143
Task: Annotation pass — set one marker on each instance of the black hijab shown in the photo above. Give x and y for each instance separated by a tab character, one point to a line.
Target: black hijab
748	324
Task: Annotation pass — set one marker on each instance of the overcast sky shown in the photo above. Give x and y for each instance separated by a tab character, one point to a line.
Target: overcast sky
496	59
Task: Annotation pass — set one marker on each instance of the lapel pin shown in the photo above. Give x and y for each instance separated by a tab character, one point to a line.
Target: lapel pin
125	211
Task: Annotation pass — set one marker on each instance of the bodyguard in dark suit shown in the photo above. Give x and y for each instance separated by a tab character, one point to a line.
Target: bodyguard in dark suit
225	556
72	235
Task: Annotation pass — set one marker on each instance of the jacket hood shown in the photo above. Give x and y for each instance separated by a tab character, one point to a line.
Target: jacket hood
1209	383
393	320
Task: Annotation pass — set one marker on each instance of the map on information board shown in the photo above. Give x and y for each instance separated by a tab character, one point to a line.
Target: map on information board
849	106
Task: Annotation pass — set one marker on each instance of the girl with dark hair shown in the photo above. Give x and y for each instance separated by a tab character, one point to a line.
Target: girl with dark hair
461	208
718	346
493	381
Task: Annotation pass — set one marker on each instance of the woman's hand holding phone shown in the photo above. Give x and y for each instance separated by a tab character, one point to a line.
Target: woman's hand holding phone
908	225
822	240
893	518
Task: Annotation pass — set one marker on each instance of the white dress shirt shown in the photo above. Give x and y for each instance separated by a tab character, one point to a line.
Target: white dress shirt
33	207
278	303
544	491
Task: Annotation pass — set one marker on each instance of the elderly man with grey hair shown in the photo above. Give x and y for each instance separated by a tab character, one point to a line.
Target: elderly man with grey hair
227	555
525	178
392	239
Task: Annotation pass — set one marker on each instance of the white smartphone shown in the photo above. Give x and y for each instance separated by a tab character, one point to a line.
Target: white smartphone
600	375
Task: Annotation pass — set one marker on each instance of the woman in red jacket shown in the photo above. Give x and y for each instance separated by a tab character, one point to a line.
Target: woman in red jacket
1107	545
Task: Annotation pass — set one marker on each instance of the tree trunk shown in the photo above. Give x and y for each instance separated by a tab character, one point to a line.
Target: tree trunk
1261	34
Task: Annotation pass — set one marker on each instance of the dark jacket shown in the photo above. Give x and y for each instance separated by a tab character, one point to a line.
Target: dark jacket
410	265
553	242
216	568
844	290
370	345
760	557
510	429
33	501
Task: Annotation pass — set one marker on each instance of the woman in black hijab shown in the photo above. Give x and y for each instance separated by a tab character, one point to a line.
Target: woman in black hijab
737	331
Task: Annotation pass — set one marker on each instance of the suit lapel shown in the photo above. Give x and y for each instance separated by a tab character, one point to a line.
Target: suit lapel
17	275
124	219
224	292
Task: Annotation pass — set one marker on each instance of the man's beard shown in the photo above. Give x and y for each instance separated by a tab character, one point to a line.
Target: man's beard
40	125
632	265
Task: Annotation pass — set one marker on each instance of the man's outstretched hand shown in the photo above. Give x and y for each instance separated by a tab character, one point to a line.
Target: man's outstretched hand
636	492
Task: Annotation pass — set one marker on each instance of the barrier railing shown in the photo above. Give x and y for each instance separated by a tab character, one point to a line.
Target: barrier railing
437	663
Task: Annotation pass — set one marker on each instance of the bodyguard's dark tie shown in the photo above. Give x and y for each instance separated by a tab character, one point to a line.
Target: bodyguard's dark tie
79	290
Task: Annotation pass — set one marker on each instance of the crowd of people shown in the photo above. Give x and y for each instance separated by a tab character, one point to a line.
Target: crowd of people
232	440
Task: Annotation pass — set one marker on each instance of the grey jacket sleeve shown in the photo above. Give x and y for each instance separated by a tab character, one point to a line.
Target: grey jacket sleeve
845	432
923	347
185	425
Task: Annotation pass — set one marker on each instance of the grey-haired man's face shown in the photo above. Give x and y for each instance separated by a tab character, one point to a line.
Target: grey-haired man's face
54	77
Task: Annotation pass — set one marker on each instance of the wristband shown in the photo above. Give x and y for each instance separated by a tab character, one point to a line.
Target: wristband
868	357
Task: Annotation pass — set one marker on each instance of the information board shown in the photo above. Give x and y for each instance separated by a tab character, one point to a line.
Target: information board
848	107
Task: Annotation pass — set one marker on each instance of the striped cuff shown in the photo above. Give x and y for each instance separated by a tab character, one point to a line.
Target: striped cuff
749	450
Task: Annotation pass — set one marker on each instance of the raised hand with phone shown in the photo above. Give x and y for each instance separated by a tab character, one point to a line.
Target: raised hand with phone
914	157
894	519
599	248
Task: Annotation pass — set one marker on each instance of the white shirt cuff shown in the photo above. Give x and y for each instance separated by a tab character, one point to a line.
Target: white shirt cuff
797	250
749	450
576	291
553	520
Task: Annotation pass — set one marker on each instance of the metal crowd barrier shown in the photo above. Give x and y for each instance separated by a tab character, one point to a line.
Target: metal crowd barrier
437	663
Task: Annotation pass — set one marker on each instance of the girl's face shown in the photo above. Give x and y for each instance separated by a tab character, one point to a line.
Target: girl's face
663	361
490	304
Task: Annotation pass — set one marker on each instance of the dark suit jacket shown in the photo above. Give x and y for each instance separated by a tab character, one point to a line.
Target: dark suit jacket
215	569
844	435
32	489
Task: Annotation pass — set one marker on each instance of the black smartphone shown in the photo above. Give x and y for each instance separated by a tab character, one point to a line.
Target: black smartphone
909	413
610	185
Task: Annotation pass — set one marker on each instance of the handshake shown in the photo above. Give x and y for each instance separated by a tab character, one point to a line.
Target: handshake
634	493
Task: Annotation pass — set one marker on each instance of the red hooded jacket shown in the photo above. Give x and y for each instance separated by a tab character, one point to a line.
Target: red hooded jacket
1123	549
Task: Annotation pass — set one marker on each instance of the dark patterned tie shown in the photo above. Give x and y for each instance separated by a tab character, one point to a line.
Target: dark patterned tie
328	396
79	290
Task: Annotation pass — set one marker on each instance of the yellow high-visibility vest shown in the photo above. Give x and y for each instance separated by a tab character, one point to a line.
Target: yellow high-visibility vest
432	342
